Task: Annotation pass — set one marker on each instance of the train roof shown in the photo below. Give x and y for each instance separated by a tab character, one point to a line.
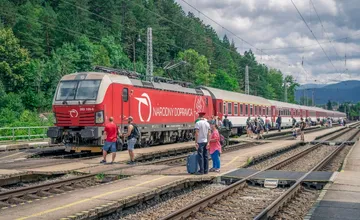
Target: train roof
284	104
235	96
123	79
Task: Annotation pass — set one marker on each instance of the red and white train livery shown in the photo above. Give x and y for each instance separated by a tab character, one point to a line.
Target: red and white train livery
164	111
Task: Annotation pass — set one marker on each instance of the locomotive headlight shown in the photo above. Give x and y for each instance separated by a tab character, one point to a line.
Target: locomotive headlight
99	117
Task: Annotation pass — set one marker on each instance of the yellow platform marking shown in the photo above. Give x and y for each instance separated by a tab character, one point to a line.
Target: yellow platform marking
86	200
11	155
232	161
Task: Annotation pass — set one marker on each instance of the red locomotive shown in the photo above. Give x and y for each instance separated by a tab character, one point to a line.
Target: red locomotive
164	110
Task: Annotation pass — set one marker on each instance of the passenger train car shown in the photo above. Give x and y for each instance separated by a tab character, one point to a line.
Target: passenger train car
163	109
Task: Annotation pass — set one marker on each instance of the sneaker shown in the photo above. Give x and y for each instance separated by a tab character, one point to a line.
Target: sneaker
103	161
198	173
131	162
217	171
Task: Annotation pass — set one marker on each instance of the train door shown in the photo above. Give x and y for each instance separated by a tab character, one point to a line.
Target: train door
125	106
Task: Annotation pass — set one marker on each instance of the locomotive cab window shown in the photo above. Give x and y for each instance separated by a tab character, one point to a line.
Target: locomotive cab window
78	90
125	94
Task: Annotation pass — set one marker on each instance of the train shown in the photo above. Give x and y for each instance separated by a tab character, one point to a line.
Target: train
163	109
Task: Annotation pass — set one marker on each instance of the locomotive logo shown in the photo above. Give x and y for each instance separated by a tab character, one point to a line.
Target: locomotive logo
145	99
73	113
199	104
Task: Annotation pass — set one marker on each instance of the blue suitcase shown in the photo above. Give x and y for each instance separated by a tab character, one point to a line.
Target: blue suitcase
192	164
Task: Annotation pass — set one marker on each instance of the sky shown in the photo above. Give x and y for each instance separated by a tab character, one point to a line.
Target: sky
280	38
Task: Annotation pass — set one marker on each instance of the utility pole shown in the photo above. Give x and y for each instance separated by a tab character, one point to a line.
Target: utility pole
247	90
285	93
149	55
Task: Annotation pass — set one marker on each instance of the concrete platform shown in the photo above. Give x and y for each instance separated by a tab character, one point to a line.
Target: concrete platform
341	199
89	201
92	165
23	145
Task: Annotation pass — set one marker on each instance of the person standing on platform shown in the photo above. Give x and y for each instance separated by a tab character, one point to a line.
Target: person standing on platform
302	128
278	123
110	136
214	147
267	124
293	121
202	138
132	134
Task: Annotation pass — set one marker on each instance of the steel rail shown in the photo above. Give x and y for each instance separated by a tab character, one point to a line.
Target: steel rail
16	193
43	187
275	206
207	201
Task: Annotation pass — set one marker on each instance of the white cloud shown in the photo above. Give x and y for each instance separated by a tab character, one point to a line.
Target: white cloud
270	24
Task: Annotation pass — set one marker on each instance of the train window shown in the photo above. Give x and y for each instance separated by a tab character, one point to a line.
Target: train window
229	108
236	109
220	107
267	110
125	94
251	110
241	109
206	101
264	113
224	108
246	109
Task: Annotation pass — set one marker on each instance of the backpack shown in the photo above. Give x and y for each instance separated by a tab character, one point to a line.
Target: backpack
222	140
135	132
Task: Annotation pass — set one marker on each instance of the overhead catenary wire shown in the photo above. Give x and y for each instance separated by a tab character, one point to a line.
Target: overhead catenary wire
324	31
303	19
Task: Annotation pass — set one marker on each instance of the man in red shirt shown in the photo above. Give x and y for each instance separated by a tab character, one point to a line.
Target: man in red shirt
110	133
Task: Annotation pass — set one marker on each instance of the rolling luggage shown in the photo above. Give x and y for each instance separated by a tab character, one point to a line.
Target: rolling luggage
192	164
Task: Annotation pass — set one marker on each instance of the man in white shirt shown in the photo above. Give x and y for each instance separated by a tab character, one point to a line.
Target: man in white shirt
202	138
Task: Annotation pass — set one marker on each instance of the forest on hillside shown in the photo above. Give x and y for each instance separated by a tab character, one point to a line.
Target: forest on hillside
40	41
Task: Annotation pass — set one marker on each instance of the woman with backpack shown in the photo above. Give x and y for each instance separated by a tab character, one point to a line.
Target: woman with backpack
214	147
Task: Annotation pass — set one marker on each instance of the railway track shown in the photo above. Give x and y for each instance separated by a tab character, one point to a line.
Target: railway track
264	208
23	195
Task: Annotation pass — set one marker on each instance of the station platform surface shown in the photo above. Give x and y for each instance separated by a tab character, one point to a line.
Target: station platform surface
89	200
18	145
341	199
93	165
143	180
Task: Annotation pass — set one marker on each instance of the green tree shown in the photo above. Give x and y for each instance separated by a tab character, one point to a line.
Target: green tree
223	81
197	68
329	105
14	61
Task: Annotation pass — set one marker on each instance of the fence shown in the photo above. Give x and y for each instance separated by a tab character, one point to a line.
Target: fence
23	133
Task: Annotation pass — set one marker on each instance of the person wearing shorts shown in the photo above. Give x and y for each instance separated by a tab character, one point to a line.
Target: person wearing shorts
131	140
110	132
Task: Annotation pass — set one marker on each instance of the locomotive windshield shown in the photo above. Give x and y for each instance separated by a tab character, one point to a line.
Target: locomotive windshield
78	90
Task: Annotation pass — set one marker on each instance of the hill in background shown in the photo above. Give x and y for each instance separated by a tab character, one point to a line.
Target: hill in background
346	91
